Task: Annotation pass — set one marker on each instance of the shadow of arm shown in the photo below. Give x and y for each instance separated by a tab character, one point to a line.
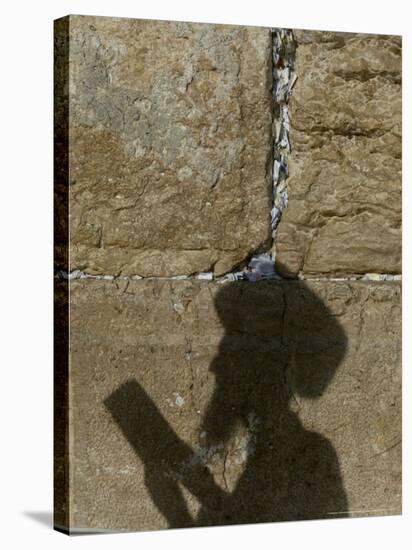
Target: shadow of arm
163	454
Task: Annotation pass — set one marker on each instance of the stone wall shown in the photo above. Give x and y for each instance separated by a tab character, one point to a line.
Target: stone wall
168	176
185	393
344	213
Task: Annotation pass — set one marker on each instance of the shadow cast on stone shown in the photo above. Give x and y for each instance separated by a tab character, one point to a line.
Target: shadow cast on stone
281	343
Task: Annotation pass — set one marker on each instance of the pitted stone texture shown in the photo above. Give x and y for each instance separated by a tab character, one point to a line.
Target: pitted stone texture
170	146
196	403
344	212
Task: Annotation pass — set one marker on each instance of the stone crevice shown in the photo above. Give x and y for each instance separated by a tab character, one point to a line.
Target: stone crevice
241	275
284	78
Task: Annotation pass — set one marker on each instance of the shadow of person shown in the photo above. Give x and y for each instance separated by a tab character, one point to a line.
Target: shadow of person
281	344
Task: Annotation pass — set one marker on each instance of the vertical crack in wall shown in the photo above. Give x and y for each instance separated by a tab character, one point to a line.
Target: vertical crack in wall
262	266
284	78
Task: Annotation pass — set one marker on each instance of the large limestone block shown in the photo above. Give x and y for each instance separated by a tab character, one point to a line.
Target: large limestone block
196	403
344	213
170	144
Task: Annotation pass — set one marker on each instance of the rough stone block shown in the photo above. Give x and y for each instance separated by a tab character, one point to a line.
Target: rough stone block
344	212
199	403
169	144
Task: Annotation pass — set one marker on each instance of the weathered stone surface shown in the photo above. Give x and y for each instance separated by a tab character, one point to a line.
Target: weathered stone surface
61	450
196	403
170	146
183	403
344	213
61	144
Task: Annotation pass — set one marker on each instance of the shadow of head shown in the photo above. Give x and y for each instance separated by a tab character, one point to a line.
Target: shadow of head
280	321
